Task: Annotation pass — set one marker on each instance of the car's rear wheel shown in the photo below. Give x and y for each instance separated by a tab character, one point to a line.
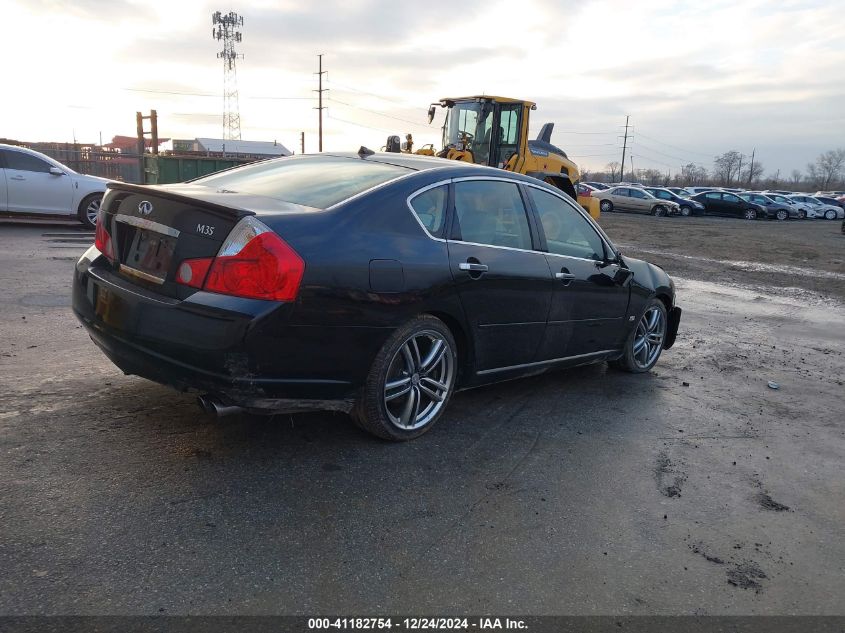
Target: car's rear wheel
606	206
644	345
830	214
410	381
782	214
659	210
88	209
750	214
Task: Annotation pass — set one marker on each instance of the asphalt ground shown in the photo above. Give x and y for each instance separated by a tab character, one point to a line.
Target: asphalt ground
694	489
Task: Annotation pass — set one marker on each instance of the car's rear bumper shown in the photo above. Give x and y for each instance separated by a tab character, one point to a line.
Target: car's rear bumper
244	352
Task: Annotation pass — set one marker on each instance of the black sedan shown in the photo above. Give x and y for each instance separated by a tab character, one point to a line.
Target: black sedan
372	284
730	204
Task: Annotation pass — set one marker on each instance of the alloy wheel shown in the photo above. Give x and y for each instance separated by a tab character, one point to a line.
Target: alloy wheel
605	206
92	210
648	339
782	215
830	214
418	380
750	214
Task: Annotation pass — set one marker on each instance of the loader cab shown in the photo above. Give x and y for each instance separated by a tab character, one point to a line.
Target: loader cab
486	130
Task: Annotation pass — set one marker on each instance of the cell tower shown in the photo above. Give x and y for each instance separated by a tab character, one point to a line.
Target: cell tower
226	29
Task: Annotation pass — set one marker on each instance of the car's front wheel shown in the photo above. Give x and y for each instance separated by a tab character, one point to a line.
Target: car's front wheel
644	345
782	214
88	209
410	381
659	211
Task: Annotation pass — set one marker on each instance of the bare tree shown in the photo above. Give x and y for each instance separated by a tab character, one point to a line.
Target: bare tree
652	176
796	177
827	169
726	166
752	173
613	167
692	174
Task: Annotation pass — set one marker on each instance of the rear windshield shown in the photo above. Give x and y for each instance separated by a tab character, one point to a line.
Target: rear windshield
312	181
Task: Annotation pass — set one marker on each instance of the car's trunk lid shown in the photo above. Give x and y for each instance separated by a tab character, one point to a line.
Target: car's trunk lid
155	228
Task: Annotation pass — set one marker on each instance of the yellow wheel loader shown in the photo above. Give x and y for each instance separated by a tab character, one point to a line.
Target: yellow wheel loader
493	131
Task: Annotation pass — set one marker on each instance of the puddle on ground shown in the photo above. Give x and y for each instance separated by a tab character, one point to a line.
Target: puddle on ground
744	265
811	307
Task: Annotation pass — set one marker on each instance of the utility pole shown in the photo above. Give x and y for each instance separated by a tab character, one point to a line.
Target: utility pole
633	173
738	171
751	169
320	72
302	142
624	147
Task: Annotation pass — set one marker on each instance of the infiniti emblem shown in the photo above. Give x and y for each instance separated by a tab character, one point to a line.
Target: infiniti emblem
145	207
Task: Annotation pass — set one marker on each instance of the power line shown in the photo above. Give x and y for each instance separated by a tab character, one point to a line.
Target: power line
208	94
379	113
688	151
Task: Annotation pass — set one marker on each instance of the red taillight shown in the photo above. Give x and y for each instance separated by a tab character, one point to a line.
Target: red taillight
102	239
253	262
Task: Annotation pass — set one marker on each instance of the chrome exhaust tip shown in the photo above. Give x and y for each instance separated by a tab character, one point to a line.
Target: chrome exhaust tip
212	406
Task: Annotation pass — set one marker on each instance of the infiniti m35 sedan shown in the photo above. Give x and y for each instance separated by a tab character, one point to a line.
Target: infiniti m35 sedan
376	284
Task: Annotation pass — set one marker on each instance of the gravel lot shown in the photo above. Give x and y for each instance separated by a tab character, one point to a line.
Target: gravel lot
695	489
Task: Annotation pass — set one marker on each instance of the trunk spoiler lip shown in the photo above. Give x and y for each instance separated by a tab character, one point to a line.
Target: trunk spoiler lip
177	197
238	204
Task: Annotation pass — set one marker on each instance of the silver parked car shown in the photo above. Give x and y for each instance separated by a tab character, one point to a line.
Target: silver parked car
34	184
634	199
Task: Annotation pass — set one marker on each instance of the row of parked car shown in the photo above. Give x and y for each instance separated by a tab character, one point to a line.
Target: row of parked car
686	201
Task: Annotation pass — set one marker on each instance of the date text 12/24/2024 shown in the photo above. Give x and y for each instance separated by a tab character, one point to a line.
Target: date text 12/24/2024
417	624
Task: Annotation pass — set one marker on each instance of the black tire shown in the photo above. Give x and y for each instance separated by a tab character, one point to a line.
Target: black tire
631	361
371	411
659	211
686	211
605	206
88	209
782	214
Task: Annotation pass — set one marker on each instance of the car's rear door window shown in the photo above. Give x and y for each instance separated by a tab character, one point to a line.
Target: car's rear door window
312	181
491	212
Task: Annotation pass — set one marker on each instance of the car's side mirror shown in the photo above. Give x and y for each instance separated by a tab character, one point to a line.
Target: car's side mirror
56	171
431	111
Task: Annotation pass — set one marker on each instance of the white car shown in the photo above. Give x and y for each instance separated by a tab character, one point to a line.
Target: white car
817	208
34	184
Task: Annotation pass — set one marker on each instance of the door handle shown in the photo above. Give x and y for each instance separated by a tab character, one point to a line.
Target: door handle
473	267
16	178
565	276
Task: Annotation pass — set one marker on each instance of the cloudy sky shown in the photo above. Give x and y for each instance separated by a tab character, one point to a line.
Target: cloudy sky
697	78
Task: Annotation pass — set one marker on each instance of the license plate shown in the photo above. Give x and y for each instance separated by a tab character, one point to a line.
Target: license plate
108	306
150	253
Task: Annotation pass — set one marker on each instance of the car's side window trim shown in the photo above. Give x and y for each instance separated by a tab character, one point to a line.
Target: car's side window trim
539	245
